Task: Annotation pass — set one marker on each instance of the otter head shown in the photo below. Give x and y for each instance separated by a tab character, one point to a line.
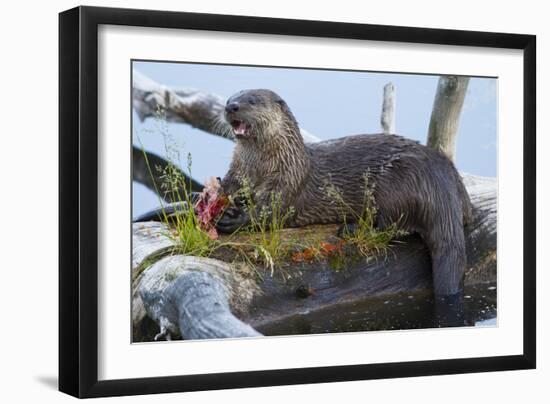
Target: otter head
259	114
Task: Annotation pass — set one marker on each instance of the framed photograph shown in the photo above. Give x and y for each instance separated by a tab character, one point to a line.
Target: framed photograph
251	201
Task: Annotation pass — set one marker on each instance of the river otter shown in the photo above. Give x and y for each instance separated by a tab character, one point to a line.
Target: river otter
415	186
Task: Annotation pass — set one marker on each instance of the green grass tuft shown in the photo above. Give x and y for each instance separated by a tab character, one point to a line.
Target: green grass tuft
365	237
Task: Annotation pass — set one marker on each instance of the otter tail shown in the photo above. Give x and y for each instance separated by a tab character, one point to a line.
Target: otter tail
448	251
446	241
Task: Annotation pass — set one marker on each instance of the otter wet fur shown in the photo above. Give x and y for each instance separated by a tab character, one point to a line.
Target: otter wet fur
414	186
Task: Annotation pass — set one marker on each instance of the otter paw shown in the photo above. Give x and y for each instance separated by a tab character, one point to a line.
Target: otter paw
232	220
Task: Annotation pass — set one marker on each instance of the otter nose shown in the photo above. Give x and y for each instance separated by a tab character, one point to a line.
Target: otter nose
232	107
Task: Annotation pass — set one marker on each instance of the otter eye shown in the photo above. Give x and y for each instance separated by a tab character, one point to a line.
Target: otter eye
251	101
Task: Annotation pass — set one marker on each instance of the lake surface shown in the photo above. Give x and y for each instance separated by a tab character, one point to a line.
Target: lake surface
397	312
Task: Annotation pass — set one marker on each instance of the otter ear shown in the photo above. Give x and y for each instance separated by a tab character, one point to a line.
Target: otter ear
282	104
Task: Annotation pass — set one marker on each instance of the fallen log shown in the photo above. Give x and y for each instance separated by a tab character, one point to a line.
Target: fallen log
176	296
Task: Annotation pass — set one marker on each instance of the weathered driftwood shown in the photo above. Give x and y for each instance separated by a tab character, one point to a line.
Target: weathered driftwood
197	108
186	296
445	118
206	298
387	119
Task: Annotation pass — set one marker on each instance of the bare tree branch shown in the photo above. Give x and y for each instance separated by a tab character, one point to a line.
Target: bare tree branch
197	108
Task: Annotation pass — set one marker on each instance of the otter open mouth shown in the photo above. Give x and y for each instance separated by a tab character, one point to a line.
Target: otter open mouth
240	128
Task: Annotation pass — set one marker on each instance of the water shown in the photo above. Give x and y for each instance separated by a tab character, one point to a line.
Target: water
397	312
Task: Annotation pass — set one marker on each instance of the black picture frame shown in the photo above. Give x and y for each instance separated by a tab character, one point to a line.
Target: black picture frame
78	196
